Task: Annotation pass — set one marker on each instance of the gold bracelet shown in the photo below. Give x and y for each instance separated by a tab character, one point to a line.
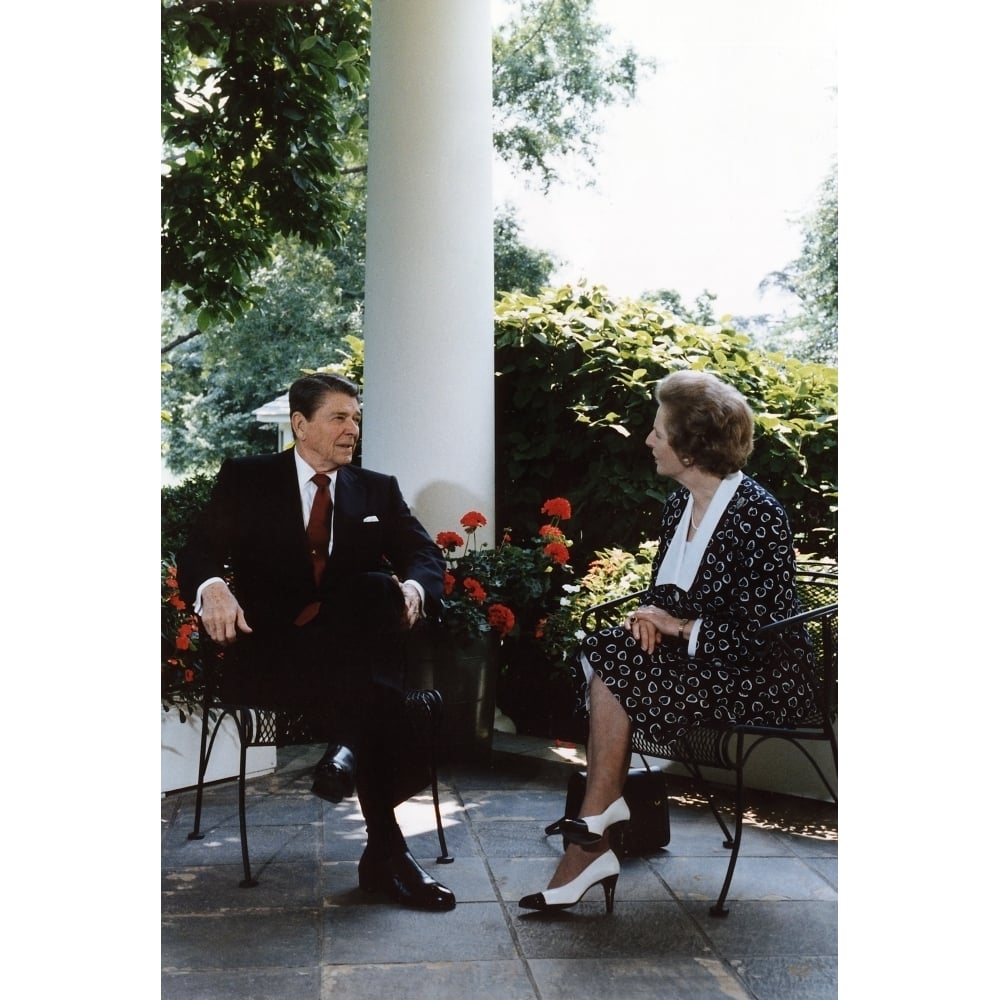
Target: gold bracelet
680	628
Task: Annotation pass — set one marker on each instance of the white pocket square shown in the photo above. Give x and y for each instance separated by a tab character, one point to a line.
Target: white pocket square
370	519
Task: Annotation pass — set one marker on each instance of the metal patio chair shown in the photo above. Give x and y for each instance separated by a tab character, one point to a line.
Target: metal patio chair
730	747
260	726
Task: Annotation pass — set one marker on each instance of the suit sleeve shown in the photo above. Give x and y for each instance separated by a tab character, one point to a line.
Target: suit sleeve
207	549
412	551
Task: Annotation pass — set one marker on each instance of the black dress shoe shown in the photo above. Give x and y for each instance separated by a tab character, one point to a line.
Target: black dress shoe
333	778
400	877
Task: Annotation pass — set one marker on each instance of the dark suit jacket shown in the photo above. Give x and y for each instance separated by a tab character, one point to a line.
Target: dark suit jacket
252	528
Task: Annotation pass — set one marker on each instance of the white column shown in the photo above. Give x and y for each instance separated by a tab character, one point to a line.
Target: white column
428	392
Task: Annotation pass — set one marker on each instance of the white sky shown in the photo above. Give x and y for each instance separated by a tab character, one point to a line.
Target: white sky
699	182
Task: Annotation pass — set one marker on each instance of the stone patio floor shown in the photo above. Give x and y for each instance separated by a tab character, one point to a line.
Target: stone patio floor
308	932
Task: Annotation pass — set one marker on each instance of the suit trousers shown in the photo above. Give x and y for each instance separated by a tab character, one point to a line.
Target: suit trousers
344	671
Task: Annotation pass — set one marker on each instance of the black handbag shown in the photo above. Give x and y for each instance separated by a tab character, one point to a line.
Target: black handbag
648	827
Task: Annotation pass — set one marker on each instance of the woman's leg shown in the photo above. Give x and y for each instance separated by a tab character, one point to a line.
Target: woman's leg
608	757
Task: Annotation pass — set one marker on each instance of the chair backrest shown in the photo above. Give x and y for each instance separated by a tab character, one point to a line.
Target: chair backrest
816	584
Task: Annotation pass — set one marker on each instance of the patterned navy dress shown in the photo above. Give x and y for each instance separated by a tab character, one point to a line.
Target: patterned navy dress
744	580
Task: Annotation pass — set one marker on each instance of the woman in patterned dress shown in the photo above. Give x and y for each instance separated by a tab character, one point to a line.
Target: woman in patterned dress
725	568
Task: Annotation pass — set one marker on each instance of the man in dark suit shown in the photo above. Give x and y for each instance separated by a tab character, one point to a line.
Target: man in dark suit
315	621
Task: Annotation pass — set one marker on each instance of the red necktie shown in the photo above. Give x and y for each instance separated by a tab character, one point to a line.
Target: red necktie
318	529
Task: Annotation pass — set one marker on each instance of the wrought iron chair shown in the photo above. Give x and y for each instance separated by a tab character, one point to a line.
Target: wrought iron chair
259	726
730	747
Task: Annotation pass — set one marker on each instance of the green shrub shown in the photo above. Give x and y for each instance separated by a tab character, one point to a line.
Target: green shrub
179	506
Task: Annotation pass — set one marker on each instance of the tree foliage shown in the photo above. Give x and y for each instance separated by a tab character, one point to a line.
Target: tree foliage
553	72
260	117
813	279
213	383
576	372
670	299
264	124
516	266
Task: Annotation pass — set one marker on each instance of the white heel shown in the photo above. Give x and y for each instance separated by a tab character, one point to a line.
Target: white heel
604	869
588	830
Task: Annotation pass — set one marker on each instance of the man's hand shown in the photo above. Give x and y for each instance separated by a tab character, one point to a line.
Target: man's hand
411	597
221	614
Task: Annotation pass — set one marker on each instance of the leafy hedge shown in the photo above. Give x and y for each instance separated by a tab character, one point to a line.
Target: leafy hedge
179	506
576	371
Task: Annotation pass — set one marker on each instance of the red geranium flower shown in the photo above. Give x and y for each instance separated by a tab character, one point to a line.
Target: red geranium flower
472	520
557	507
540	628
474	589
183	640
501	618
557	552
449	583
551	532
449	540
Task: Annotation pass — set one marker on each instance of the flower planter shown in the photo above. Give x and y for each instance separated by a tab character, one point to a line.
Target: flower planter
466	675
180	745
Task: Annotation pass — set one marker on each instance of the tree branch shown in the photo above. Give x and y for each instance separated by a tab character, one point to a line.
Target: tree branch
178	340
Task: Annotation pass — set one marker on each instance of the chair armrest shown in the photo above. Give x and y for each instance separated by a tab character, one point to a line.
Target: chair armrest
599	612
826	611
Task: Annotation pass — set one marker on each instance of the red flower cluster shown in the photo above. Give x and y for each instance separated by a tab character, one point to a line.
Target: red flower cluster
557	552
183	640
479	578
175	598
558	507
180	637
449	540
500	617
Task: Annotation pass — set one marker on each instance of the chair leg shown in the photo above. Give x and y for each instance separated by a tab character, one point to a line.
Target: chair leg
444	858
203	755
249	882
705	789
434	704
720	909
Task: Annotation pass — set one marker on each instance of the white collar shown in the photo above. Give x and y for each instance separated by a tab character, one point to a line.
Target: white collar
305	472
680	564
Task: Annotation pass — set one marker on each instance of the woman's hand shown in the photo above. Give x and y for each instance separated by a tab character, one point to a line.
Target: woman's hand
648	625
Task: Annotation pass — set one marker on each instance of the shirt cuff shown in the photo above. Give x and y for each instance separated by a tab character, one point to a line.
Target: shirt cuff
197	597
420	591
693	637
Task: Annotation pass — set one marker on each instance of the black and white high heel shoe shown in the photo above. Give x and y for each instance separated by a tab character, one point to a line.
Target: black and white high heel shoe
603	869
588	830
